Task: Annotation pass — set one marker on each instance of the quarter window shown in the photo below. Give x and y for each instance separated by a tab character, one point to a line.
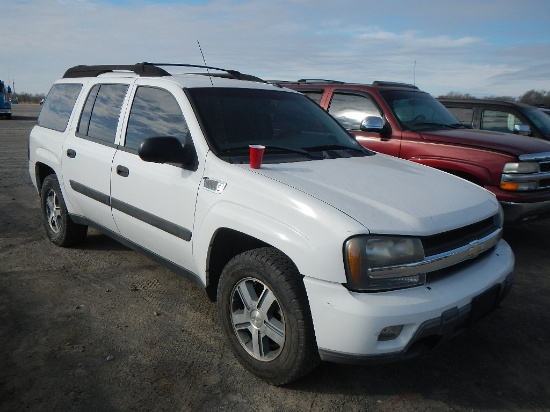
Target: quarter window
58	106
99	118
351	109
155	112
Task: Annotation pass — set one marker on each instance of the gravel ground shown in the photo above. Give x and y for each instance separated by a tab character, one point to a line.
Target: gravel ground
102	328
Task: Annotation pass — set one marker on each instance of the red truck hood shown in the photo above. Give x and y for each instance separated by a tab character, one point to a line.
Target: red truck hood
502	142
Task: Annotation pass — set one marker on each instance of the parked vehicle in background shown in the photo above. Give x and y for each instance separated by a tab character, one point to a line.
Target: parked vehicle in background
328	251
400	120
500	116
5	105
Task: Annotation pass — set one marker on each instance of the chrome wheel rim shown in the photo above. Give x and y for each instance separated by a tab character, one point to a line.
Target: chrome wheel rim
53	211
257	319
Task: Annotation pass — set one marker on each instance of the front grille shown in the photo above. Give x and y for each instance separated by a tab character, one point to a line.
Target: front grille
544	166
441	273
453	239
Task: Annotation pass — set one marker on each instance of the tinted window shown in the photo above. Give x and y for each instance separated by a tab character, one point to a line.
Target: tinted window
464	114
313	95
418	111
155	112
99	118
351	109
233	118
58	106
540	119
499	121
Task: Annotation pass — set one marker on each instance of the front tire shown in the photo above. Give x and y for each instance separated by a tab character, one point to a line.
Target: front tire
264	312
61	230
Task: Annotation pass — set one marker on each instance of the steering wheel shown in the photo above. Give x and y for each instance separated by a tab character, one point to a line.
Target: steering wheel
419	118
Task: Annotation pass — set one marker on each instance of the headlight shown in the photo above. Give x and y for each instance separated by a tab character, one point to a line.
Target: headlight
373	262
521	167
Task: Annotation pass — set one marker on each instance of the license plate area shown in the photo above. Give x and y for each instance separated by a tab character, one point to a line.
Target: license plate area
483	304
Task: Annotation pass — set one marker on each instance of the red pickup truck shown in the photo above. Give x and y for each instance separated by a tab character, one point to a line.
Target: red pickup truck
401	120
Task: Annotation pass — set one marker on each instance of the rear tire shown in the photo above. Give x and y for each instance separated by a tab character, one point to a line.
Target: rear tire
264	312
60	229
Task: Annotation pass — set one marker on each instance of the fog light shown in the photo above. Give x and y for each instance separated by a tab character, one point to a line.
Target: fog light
390	333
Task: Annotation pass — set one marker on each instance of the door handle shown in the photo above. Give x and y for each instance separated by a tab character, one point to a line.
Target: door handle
71	153
122	171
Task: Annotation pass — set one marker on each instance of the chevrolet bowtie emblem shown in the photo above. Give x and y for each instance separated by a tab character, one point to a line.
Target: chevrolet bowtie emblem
475	249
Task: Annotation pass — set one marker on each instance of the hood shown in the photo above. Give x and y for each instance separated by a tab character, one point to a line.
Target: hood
503	142
388	195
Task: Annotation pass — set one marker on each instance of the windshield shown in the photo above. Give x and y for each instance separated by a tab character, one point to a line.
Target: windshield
286	123
419	111
539	119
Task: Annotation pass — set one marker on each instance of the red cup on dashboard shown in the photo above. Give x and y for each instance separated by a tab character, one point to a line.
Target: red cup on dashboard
256	155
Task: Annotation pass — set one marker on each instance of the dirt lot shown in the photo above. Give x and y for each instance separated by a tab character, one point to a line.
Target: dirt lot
100	327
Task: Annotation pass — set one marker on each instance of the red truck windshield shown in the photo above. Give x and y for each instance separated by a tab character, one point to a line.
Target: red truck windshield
419	111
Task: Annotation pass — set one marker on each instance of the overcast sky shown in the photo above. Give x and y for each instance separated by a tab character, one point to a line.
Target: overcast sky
481	47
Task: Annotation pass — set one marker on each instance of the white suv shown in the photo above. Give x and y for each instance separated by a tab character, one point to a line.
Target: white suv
328	251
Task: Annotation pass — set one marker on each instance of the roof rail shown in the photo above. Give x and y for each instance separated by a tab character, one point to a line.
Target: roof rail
394	84
141	69
151	70
319	81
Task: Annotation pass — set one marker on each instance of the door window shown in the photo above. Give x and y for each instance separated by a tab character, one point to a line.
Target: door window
155	112
99	118
499	121
351	109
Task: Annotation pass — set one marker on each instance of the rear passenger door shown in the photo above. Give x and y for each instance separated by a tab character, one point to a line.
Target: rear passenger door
154	203
88	153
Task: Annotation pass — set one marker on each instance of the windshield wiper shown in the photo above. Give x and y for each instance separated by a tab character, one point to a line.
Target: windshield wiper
269	147
450	126
336	147
295	150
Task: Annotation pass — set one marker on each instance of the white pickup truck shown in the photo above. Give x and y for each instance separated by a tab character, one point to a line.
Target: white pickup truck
328	251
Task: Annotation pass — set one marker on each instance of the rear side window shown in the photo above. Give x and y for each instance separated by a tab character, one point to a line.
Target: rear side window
316	95
464	114
155	112
58	106
99	118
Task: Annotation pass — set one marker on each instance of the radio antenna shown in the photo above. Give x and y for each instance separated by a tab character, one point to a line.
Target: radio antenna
204	60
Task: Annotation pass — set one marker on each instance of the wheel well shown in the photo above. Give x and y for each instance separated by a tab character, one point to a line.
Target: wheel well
225	245
42	171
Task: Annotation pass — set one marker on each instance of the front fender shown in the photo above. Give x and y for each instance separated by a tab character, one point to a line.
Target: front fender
318	257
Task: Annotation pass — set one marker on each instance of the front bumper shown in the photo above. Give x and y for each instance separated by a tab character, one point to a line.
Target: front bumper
523	212
348	324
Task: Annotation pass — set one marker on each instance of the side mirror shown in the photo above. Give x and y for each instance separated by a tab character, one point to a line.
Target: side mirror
162	149
372	124
522	129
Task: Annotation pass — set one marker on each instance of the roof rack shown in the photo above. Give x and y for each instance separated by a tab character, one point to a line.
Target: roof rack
394	84
319	81
151	70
